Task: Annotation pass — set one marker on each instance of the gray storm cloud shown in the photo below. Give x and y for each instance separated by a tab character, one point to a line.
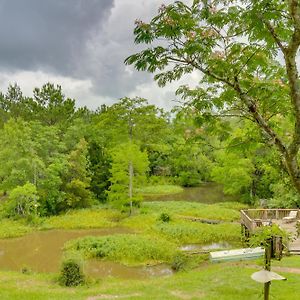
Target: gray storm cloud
80	44
37	34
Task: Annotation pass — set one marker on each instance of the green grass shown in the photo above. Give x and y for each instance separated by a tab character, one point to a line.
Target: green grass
160	190
193	232
157	242
214	282
199	210
10	228
288	261
83	219
128	249
143	221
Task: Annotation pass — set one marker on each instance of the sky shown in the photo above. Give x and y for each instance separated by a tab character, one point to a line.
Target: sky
80	45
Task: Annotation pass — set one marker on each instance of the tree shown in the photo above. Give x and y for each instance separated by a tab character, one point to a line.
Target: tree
234	172
23	201
19	162
51	106
129	119
128	170
77	178
100	164
236	46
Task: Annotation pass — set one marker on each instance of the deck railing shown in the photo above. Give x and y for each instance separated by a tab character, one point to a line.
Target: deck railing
252	218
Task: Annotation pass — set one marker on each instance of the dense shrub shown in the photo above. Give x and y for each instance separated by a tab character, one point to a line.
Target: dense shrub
71	273
164	217
22	202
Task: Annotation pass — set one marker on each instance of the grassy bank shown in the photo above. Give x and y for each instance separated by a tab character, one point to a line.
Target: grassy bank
160	190
144	219
10	228
222	281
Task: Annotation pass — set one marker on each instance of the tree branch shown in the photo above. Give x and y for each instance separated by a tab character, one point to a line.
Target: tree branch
271	29
259	118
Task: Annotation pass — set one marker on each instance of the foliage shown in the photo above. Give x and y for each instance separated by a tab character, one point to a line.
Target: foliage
22	201
233	172
126	248
77	180
164	217
262	234
236	48
100	164
284	196
123	190
71	273
19	161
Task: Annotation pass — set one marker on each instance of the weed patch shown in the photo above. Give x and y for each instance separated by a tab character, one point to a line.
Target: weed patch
83	219
124	248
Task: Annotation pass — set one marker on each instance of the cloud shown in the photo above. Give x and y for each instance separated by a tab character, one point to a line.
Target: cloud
48	34
79	44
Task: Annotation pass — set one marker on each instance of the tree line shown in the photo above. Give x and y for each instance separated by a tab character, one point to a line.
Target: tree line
55	156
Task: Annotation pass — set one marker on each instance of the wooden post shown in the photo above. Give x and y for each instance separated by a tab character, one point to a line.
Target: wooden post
268	250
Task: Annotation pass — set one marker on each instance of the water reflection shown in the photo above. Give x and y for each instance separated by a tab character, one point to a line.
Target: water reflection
212	246
42	251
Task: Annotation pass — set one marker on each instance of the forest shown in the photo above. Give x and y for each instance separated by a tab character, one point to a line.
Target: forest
56	157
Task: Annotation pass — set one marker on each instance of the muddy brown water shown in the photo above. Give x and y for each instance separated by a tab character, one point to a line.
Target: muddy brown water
208	193
42	252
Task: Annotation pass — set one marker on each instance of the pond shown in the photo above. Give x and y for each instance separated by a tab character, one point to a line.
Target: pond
208	193
42	252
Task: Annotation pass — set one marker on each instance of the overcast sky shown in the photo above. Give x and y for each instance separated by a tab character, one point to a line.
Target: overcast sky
79	44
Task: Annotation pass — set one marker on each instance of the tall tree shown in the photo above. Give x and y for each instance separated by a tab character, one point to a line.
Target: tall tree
128	171
246	52
77	178
19	162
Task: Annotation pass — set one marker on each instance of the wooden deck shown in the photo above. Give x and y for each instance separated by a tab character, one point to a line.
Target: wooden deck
251	219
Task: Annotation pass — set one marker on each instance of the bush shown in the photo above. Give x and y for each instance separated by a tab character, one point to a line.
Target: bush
71	273
22	202
164	217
